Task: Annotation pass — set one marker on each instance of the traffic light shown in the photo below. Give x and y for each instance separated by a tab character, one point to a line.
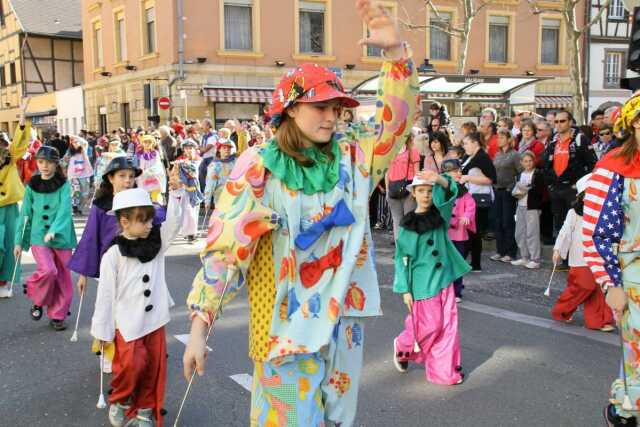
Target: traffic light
633	62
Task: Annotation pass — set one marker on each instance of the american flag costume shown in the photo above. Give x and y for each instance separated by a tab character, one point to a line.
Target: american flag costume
610	236
603	223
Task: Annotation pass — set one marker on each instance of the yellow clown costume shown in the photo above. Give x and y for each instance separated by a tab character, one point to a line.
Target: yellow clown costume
11	192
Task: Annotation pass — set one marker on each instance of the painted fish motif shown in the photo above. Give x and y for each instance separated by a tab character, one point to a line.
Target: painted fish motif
284	307
308	366
634	295
314	304
355	297
334	309
303	387
363	254
294	304
356	332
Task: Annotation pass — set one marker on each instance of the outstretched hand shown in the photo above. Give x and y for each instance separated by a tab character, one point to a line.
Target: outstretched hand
383	30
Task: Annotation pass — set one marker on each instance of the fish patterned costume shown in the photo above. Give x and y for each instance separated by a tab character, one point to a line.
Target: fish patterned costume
307	268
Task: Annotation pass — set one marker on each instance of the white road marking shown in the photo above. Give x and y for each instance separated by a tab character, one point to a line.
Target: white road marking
603	337
184	339
245	380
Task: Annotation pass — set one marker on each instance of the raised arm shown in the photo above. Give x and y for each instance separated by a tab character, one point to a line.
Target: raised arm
397	91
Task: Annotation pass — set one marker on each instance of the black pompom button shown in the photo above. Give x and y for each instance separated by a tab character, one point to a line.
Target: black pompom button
438	264
45	217
435	253
2	193
47	226
148	308
147	292
430	242
46	206
145	278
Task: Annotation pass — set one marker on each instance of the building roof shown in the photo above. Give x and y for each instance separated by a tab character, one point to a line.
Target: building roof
59	18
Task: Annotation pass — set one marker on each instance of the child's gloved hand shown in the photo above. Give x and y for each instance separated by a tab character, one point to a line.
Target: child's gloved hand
556	258
17	250
48	237
408	300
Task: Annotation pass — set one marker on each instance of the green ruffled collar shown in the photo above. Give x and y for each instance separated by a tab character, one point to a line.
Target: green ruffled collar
321	177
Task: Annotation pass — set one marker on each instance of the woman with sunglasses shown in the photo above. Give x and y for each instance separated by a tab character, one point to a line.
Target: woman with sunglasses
611	232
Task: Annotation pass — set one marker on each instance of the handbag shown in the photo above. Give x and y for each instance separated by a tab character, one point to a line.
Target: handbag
398	188
482	200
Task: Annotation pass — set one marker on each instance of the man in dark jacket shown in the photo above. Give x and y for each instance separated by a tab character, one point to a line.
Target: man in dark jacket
567	158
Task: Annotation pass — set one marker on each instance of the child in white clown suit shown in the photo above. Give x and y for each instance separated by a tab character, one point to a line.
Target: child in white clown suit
427	263
132	304
188	164
49	231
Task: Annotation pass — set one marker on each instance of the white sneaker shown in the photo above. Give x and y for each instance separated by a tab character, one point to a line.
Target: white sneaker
4	291
519	262
117	416
608	328
495	257
533	265
506	258
458	299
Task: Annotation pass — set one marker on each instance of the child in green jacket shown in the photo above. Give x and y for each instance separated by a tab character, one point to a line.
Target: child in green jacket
427	263
49	232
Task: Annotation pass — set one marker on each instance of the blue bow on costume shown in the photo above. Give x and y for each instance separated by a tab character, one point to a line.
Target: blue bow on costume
339	216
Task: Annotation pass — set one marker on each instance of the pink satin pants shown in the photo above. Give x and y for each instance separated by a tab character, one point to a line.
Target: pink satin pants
436	330
50	285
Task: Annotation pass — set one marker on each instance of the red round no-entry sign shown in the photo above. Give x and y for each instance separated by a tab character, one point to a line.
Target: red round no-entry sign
164	103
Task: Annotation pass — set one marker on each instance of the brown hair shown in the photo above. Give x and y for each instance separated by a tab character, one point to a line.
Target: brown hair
137	213
508	135
469	126
289	138
507	121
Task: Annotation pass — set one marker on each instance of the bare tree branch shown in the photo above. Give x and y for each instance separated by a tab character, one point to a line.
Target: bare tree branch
449	28
596	18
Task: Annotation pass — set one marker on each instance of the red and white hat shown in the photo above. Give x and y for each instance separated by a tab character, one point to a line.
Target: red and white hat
307	83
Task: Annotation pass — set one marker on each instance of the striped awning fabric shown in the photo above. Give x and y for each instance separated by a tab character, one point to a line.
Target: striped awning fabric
238	95
560	101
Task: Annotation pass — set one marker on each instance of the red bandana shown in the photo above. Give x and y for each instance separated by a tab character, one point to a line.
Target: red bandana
619	165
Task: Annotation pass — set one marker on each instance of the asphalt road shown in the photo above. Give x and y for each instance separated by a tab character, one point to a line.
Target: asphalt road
522	369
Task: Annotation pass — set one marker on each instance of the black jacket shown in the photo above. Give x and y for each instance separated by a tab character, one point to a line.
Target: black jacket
582	159
536	192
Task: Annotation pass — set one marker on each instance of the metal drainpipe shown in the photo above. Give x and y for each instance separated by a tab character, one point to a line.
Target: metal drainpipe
181	73
180	4
587	58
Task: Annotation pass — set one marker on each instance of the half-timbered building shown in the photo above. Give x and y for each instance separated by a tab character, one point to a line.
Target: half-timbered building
607	53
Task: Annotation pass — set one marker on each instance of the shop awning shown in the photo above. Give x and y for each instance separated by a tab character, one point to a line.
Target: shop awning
238	95
544	101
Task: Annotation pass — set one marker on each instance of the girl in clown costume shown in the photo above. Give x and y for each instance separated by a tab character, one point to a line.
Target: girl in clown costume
292	224
154	178
611	232
188	165
11	192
